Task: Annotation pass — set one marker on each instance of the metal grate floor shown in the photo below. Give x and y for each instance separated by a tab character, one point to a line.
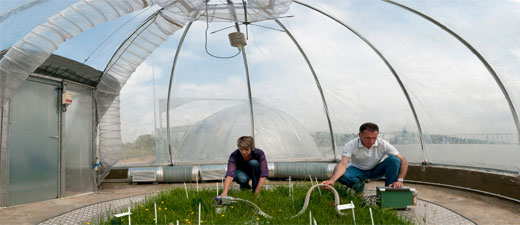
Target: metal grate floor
423	213
429	213
94	212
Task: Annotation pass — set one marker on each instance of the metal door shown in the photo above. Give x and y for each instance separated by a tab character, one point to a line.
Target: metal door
33	145
78	161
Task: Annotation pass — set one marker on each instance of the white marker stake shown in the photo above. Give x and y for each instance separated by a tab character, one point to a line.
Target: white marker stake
317	183
222	179
197	180
217	187
199	213
177	222
155	208
312	183
315	221
129	221
186	188
289	186
310	216
125	214
353	214
292	192
371	218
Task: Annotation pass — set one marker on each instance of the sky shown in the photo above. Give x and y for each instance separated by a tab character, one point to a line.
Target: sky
449	87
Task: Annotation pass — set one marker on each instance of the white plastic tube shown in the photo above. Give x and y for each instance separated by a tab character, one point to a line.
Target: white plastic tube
310	217
371	217
155	211
186	189
317	183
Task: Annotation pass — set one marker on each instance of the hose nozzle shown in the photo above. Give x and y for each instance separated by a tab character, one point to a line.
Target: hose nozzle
226	200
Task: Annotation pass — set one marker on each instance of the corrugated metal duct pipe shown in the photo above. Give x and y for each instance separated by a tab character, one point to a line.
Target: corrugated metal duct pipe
301	170
167	174
280	170
178	174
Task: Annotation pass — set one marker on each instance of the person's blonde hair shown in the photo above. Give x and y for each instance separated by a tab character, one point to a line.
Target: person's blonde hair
246	142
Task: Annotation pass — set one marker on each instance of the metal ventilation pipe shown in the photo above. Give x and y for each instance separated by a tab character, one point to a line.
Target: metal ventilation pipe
172	174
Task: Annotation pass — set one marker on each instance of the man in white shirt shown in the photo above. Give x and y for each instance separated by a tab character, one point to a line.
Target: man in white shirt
366	155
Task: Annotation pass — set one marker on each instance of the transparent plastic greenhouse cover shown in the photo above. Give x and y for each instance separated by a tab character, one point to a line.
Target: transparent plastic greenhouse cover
441	78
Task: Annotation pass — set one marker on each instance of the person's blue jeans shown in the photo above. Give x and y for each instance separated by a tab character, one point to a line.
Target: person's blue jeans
354	177
252	172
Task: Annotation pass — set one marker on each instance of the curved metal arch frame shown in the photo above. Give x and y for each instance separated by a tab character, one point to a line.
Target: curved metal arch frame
396	76
475	52
325	106
147	22
177	52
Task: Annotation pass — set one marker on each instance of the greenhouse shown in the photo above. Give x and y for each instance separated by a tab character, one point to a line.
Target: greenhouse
156	92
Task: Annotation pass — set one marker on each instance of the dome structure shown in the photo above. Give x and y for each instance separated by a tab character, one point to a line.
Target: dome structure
440	78
278	134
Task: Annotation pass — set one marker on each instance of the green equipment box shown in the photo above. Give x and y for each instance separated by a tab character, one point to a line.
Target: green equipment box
396	198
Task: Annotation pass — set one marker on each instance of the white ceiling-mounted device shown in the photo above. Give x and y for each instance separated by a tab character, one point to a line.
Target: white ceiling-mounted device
237	39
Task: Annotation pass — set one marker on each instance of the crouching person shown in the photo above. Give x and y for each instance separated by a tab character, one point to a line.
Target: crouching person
244	164
365	155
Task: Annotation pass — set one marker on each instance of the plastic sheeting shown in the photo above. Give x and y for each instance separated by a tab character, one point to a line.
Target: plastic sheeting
137	48
33	12
125	61
211	140
30	52
464	116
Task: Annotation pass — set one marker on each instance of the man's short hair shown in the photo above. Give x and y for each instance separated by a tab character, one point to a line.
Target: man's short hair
246	142
369	127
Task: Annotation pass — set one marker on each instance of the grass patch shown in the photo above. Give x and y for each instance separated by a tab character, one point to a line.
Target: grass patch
172	205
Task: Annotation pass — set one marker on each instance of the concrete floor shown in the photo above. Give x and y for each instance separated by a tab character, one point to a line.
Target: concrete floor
479	208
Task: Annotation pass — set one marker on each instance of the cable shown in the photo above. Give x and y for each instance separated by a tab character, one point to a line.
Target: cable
206	39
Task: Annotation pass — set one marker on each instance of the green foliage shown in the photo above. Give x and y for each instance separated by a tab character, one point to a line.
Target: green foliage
143	145
172	205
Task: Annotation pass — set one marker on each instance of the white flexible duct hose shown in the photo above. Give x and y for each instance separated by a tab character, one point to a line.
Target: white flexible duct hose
307	197
305	204
257	209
